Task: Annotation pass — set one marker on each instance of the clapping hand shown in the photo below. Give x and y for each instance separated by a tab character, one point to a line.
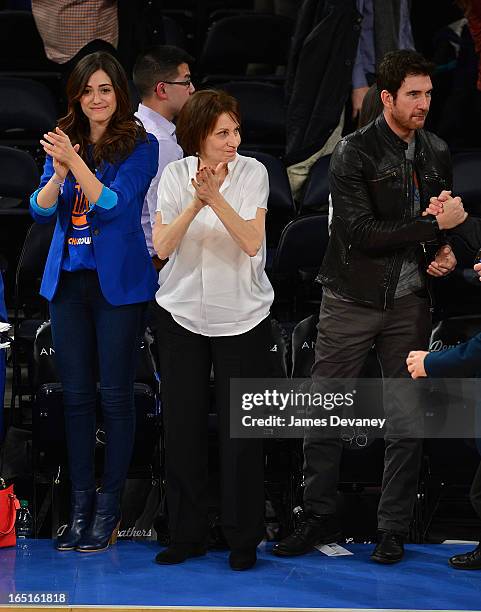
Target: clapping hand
207	182
57	144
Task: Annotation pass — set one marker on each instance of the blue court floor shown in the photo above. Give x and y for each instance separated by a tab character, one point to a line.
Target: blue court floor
126	575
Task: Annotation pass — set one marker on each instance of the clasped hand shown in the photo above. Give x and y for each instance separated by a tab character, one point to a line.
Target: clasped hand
415	364
444	262
448	211
57	144
207	182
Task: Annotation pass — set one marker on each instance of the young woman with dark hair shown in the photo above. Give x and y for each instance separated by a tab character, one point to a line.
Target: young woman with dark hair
214	301
98	279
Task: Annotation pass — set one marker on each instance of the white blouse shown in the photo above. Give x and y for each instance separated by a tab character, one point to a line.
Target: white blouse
209	285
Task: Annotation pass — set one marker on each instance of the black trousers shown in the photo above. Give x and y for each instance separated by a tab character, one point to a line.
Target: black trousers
346	333
475	493
186	360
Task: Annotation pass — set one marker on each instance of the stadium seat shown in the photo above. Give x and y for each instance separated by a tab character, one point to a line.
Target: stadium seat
173	32
21	47
27	111
316	191
30	309
280	205
22	53
297	260
467	180
445	482
263	114
26	107
19	177
232	43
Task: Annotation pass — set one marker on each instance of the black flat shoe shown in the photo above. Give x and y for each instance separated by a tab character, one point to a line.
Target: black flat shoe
242	558
322	529
467	561
180	552
389	549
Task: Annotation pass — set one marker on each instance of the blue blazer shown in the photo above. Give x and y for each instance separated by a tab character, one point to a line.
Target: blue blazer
124	267
463	361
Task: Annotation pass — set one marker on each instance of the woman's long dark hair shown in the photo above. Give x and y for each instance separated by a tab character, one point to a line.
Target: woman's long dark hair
123	129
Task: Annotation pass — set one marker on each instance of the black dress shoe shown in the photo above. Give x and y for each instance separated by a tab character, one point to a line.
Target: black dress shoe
315	529
242	558
467	561
179	552
389	549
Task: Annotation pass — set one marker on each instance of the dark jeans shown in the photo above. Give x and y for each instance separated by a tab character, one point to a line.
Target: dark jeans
346	333
87	329
186	360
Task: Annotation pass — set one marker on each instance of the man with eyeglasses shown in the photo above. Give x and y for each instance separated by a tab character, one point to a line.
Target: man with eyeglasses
162	77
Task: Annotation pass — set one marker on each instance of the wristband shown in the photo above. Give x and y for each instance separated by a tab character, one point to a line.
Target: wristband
59	183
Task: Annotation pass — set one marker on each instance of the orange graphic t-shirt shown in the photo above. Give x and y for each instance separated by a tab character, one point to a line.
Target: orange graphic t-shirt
79	253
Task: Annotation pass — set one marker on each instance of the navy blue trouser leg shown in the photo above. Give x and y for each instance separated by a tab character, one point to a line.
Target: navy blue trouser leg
88	330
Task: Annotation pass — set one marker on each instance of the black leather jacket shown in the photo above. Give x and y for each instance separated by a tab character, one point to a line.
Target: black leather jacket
373	220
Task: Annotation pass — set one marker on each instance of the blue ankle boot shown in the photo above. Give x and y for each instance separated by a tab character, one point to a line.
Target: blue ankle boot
81	509
104	526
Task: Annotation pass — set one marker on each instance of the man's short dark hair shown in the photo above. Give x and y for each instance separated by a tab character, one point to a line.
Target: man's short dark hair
397	65
156	64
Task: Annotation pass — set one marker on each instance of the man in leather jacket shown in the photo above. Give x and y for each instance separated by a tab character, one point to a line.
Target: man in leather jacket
375	287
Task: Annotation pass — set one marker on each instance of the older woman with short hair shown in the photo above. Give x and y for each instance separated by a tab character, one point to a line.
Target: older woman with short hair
214	302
